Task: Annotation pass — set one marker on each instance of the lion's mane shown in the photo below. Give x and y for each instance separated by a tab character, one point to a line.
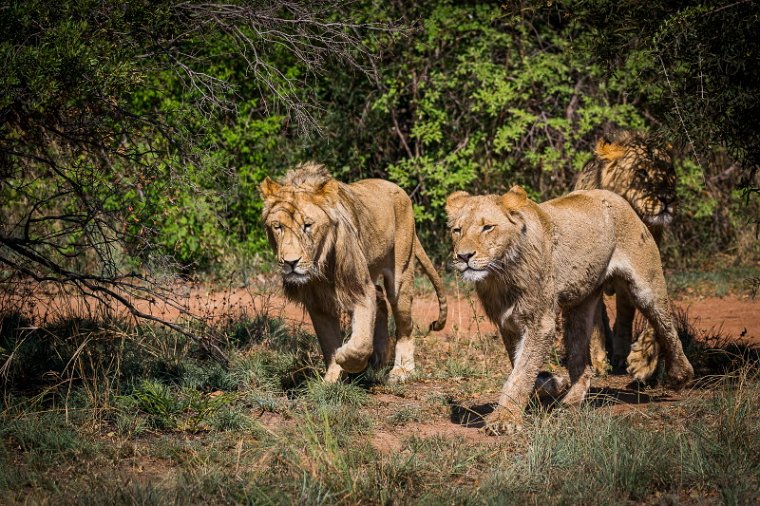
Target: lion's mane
636	167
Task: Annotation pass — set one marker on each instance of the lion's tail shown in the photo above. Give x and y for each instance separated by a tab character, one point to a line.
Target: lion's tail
431	273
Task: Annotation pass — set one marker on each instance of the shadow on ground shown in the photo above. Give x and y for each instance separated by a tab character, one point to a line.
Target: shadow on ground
473	416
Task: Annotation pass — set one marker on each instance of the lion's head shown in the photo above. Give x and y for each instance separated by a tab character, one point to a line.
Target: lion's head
298	222
308	219
487	231
637	168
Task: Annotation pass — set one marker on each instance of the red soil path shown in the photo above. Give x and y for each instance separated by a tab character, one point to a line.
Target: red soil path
733	317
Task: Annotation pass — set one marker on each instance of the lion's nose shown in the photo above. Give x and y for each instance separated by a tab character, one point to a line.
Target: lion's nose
465	257
292	263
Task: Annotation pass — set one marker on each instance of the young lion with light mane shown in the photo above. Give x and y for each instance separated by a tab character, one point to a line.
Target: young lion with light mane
333	241
529	260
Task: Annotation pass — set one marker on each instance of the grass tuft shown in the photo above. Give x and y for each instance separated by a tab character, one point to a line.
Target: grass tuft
326	395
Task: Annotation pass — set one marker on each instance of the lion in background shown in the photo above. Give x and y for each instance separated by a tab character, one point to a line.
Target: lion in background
529	260
637	168
333	242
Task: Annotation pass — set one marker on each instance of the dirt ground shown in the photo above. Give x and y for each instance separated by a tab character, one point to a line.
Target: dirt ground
735	317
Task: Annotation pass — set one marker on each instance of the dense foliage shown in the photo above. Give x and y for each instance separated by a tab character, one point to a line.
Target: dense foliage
136	131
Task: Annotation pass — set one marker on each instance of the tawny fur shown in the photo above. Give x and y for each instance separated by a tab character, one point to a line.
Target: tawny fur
635	167
529	261
334	241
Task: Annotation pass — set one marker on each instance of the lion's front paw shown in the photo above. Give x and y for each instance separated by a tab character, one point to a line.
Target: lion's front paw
643	358
333	374
352	360
548	384
502	422
399	374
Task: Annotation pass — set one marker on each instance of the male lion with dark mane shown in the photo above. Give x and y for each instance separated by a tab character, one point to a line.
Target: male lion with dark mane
333	241
530	260
637	168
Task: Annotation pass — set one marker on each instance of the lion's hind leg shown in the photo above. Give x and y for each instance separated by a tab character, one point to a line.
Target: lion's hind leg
579	321
677	367
651	299
625	309
599	334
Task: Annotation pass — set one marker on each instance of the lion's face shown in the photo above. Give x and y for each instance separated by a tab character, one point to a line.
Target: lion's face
643	174
485	231
299	230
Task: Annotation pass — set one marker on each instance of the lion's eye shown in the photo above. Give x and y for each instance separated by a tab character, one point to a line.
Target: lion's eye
307	227
456	230
276	226
487	228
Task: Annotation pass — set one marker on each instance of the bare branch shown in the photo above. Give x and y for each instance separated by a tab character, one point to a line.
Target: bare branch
303	30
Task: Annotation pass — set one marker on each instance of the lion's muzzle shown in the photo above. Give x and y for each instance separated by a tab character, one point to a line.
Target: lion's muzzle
294	272
466	265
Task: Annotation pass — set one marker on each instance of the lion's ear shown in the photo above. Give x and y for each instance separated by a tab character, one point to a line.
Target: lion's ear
455	201
515	198
328	191
269	188
608	151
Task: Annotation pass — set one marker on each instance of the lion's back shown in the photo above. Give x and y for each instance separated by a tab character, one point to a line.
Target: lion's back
384	220
589	228
593	211
380	192
386	202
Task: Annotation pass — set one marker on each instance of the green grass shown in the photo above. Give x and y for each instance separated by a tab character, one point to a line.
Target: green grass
405	415
715	282
323	394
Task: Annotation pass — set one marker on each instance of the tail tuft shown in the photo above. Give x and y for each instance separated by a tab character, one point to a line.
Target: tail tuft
437	325
441	321
644	355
